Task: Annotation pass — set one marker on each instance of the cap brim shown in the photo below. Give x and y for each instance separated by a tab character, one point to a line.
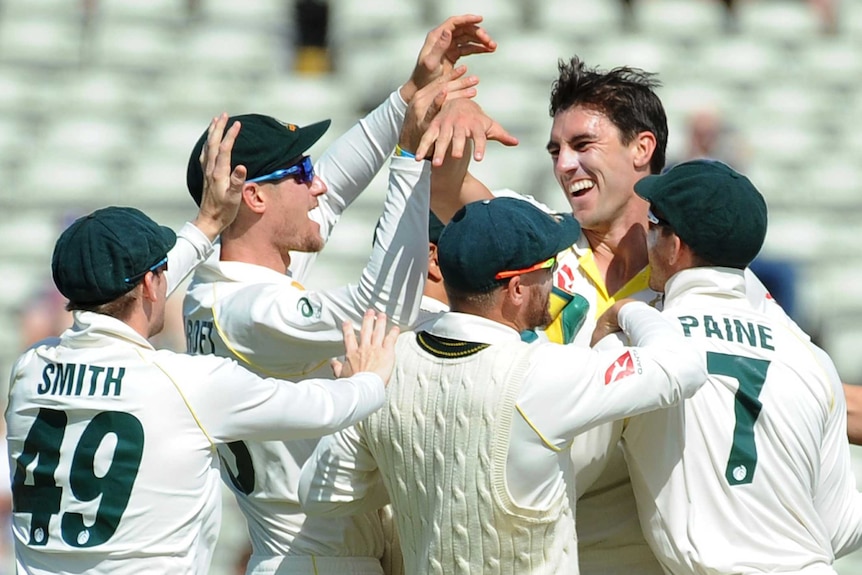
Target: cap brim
570	231
646	187
169	236
308	136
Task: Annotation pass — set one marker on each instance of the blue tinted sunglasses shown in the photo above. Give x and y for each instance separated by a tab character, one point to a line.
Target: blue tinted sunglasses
303	171
162	263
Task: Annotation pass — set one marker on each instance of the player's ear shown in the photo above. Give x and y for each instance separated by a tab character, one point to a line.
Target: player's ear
253	197
515	291
434	273
149	288
679	251
643	147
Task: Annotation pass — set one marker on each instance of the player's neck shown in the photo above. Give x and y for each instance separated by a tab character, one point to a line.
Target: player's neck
261	255
620	253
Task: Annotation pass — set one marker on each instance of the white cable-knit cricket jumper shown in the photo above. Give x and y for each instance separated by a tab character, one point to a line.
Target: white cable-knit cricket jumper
441	442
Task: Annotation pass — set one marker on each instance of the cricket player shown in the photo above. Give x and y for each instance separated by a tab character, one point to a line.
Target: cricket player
753	474
245	307
609	131
112	443
471	446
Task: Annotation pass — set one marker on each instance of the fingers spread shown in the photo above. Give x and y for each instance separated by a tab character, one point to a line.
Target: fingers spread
365	334
349	338
379	329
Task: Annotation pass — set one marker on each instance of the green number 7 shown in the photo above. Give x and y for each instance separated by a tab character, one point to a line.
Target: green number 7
751	375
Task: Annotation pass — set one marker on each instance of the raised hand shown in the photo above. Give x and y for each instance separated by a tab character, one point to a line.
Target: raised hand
459	122
456	37
222	192
375	351
428	101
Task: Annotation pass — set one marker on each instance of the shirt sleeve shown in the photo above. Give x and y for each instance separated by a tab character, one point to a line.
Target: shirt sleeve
191	250
233	404
576	388
836	499
394	276
349	165
341	477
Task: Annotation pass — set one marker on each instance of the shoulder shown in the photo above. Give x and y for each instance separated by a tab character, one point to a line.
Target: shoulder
183	368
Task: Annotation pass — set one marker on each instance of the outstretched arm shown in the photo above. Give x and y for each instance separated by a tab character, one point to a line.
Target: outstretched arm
351	162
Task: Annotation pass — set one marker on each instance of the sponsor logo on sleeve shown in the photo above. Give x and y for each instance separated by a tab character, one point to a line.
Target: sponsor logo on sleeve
625	365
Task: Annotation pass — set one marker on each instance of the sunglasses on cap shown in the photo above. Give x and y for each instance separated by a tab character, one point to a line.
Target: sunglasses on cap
159	266
547	264
303	171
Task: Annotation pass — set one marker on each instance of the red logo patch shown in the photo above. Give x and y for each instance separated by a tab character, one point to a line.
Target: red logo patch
623	367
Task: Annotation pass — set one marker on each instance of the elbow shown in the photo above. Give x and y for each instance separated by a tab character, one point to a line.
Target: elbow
691	375
693	380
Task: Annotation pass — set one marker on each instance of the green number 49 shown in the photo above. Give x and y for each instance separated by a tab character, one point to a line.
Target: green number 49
41	497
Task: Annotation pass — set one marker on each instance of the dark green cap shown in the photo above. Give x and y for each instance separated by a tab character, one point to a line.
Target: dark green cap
98	252
435	226
263	146
487	237
714	209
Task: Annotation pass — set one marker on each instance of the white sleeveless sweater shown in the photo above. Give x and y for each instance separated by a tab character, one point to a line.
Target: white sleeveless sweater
441	442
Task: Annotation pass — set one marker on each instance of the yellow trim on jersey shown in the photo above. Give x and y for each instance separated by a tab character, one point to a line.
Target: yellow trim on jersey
186	401
550	445
604	300
314	565
246	360
587	263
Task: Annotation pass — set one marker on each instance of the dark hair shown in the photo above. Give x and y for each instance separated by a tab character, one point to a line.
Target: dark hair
120	308
625	95
697	260
484	300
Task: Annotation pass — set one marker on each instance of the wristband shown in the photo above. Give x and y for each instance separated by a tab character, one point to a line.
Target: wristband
399	151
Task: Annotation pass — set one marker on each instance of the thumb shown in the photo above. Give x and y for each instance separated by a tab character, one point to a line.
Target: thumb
336	366
499	134
237	177
438	49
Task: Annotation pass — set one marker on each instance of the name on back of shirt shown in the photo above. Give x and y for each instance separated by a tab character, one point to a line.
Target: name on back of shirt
199	339
81	379
729	329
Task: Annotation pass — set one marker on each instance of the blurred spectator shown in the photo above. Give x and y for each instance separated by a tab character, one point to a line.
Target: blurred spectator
629	19
826	11
709	136
43	315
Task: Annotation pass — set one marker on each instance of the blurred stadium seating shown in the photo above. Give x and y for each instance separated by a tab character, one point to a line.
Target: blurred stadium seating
105	110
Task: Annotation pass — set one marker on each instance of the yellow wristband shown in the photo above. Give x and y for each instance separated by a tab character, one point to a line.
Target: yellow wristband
399	151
